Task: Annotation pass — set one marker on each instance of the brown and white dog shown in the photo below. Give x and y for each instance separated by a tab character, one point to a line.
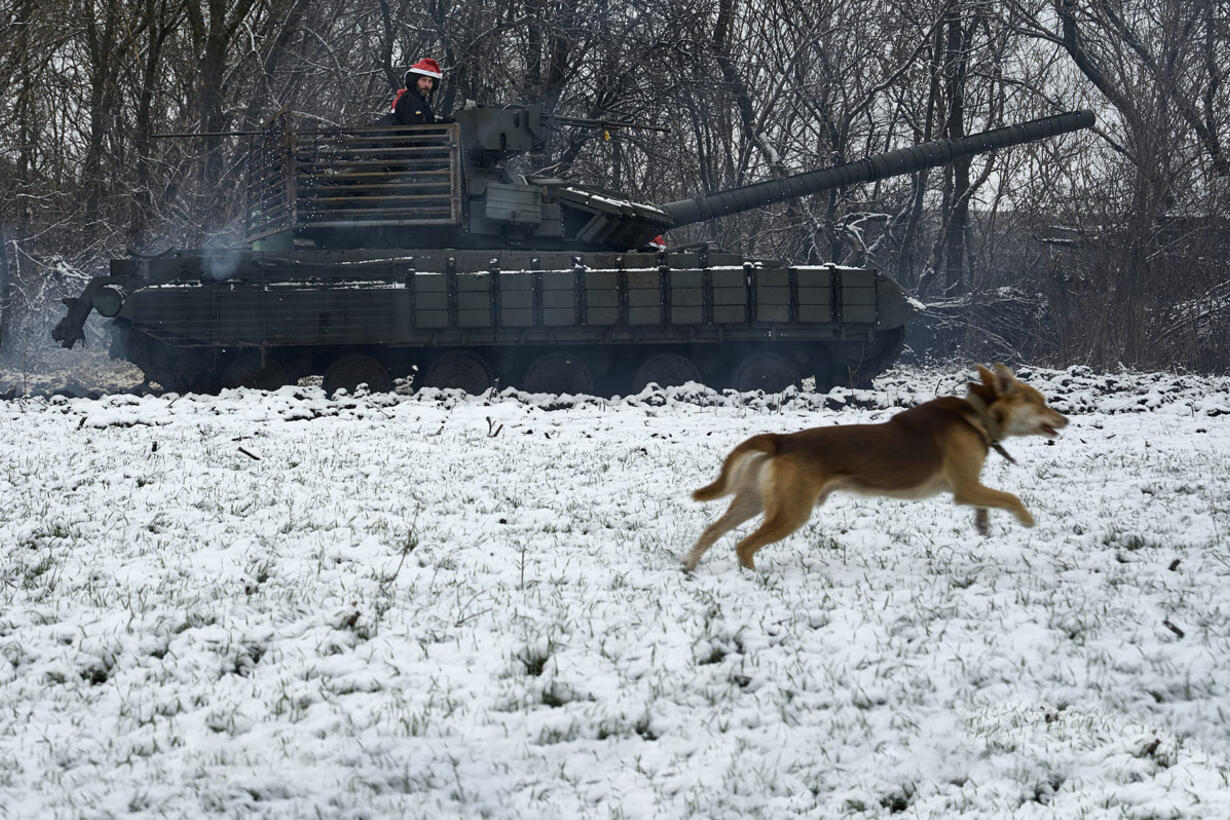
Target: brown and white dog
936	447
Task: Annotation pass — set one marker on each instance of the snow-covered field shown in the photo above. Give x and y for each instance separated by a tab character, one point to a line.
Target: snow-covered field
432	606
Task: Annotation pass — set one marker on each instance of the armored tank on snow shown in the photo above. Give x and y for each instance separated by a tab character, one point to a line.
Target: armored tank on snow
377	252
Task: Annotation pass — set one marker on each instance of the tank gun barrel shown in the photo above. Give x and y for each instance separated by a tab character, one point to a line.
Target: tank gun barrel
879	166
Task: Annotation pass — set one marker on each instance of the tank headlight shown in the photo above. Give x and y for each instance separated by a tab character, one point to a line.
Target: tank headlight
109	300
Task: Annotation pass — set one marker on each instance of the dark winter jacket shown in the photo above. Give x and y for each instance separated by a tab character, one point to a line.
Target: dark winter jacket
411	109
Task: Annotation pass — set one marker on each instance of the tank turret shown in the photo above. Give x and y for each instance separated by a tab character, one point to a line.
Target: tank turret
451	179
377	251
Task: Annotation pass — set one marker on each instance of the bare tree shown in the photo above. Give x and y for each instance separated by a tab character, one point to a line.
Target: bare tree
1160	67
751	91
6	292
214	26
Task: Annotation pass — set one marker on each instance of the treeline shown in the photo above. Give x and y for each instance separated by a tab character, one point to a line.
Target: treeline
1103	247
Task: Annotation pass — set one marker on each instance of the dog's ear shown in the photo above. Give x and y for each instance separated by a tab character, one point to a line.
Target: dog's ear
1005	379
988	378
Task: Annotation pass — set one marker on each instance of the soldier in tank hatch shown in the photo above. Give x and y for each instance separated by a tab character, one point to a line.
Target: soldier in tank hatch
412	105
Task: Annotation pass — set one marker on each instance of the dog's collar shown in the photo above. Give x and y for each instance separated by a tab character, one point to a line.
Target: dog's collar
994	432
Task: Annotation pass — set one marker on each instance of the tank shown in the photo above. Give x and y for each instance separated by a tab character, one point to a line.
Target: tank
378	252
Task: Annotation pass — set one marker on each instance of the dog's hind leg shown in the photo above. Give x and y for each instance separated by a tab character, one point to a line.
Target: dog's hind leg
774	528
746	504
788	505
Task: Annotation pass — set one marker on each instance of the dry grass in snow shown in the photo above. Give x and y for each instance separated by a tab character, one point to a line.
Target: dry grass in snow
432	605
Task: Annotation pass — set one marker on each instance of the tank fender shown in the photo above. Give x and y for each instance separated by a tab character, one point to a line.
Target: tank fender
895	306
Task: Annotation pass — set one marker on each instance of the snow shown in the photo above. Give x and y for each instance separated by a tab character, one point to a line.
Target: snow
279	604
614	202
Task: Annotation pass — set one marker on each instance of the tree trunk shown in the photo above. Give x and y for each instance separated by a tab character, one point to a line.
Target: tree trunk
6	292
956	58
26	115
905	260
212	40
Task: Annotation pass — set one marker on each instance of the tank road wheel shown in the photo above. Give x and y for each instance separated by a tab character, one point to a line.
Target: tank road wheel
185	381
667	369
352	370
459	368
558	373
245	370
770	372
856	363
188	375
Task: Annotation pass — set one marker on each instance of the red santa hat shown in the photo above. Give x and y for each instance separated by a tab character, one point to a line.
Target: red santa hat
427	67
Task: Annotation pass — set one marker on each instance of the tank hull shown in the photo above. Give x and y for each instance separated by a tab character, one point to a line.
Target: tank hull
601	323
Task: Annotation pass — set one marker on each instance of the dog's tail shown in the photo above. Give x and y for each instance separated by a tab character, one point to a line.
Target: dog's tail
765	443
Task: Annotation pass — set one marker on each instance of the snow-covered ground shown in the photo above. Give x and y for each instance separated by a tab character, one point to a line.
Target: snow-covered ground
431	605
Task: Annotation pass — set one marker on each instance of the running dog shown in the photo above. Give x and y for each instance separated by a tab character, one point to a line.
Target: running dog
936	447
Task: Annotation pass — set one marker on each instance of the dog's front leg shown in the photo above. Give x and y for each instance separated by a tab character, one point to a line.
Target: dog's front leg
977	495
982	521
